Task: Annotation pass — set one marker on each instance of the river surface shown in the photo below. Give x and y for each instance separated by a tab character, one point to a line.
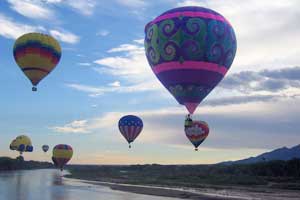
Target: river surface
48	184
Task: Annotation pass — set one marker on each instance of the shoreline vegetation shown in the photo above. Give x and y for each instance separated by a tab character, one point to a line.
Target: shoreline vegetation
266	180
7	164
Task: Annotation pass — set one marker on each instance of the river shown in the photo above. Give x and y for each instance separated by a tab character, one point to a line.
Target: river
47	184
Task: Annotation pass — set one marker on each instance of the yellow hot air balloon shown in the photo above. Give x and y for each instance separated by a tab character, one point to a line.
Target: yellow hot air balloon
22	144
37	55
62	153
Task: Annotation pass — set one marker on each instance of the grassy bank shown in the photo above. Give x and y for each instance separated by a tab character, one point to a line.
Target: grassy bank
7	163
273	174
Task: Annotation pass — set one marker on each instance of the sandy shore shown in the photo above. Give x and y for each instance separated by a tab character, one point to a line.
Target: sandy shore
222	193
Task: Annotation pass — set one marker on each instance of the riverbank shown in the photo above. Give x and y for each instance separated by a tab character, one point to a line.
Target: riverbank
206	193
8	164
269	180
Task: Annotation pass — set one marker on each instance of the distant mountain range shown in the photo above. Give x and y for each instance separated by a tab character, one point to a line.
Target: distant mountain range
283	153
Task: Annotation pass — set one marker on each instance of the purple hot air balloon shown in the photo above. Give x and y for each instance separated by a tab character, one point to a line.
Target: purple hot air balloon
190	49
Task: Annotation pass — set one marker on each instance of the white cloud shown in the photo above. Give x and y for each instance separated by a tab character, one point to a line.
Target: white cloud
31	9
65	36
190	3
13	30
85	64
132	66
236	126
133	3
77	126
94	91
115	84
267	34
103	33
85	7
130	48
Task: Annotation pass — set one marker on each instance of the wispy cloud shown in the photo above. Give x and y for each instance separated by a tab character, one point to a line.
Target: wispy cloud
12	30
103	33
132	66
77	126
85	64
65	36
31	9
271	44
94	91
85	7
133	3
277	80
115	84
165	126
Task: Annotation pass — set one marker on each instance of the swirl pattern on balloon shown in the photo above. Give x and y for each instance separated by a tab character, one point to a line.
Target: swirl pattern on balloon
170	50
168	28
190	49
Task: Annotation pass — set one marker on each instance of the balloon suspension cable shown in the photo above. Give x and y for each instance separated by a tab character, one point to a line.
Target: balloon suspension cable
34	89
196	149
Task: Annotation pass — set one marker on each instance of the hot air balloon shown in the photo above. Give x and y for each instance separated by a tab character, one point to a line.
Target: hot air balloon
197	132
190	49
62	153
22	144
130	126
45	148
37	55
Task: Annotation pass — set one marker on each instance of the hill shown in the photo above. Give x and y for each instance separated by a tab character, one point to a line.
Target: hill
283	153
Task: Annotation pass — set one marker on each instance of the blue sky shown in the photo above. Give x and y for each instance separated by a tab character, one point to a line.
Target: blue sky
103	74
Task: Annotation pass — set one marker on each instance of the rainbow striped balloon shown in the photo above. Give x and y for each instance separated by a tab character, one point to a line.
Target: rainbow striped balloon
130	126
62	153
37	55
197	133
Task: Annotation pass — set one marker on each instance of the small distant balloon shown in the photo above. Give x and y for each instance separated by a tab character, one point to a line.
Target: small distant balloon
45	148
130	127
62	153
37	55
21	144
197	132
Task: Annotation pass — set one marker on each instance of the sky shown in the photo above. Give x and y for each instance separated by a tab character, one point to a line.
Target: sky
103	74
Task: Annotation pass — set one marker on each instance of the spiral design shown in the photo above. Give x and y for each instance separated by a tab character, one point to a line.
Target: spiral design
228	58
194	25
149	33
170	49
219	30
191	50
216	53
167	27
152	56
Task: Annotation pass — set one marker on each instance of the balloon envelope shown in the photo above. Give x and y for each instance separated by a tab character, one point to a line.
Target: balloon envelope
190	49
130	127
45	148
62	153
22	144
197	132
37	55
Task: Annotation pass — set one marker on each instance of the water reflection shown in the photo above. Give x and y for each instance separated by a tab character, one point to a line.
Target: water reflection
50	185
